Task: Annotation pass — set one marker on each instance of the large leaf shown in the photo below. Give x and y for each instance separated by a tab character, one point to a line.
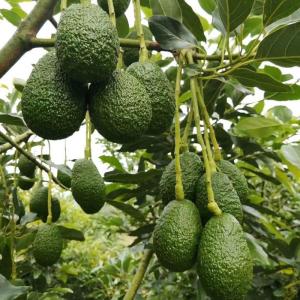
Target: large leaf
9	291
282	46
293	95
11	119
292	154
265	82
170	8
208	5
233	13
278	9
128	209
171	34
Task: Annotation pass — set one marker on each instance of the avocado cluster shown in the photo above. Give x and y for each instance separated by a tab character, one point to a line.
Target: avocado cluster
27	172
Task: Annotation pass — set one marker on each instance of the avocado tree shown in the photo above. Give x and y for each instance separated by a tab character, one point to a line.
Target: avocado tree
201	171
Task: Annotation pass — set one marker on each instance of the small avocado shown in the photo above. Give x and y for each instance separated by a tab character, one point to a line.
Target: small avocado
160	93
176	235
39	204
47	245
53	106
225	265
224	193
26	166
87	186
191	168
87	43
63	177
120	6
121	110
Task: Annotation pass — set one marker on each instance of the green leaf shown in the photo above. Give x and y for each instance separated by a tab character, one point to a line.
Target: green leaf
185	97
11	16
280	113
171	9
71	233
128	209
122	26
257	127
292	154
251	78
208	5
156	8
19	84
9	291
281	46
233	13
171	34
11	119
253	26
278	9
293	95
113	162
24	241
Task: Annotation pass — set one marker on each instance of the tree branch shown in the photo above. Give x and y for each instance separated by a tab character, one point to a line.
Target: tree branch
19	43
19	139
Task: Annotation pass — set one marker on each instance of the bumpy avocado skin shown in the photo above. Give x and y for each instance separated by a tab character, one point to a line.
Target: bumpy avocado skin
225	196
176	235
64	178
225	265
25	184
191	168
237	178
160	93
121	110
26	166
87	43
131	55
87	186
120	6
47	245
39	204
53	106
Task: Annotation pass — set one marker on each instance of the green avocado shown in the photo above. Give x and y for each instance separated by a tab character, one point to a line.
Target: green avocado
25	183
237	178
120	6
121	110
176	235
160	93
53	106
63	177
39	204
87	186
87	43
131	55
225	265
224	193
26	166
47	245
191	168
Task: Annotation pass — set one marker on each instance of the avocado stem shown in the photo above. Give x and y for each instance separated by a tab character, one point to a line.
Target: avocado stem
187	130
49	217
63	4
88	141
111	10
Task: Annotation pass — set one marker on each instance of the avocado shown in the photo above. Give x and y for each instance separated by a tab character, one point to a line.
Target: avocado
63	177
87	43
25	183
225	196
87	186
176	235
26	166
237	178
160	93
131	55
47	245
39	204
53	106
191	169
121	110
120	6
225	265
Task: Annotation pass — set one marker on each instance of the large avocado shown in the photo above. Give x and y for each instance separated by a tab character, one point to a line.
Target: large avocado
47	245
87	43
53	106
237	178
224	193
191	168
39	204
176	235
120	6
224	261
26	166
160	93
87	186
121	110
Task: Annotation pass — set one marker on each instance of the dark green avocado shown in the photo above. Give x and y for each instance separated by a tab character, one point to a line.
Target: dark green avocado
26	166
120	6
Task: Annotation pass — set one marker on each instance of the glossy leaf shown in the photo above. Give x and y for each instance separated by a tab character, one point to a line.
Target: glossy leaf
280	113
208	5
11	119
292	154
71	233
294	95
171	8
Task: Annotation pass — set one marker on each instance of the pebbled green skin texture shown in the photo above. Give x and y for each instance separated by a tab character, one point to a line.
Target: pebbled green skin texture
225	196
176	235
25	184
237	178
87	43
225	265
121	110
160	93
191	168
26	166
87	186
64	178
120	6
53	106
47	245
131	55
39	204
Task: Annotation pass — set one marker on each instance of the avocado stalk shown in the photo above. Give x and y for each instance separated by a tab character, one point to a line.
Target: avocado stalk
63	4
49	217
111	9
187	130
88	141
85	2
212	205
